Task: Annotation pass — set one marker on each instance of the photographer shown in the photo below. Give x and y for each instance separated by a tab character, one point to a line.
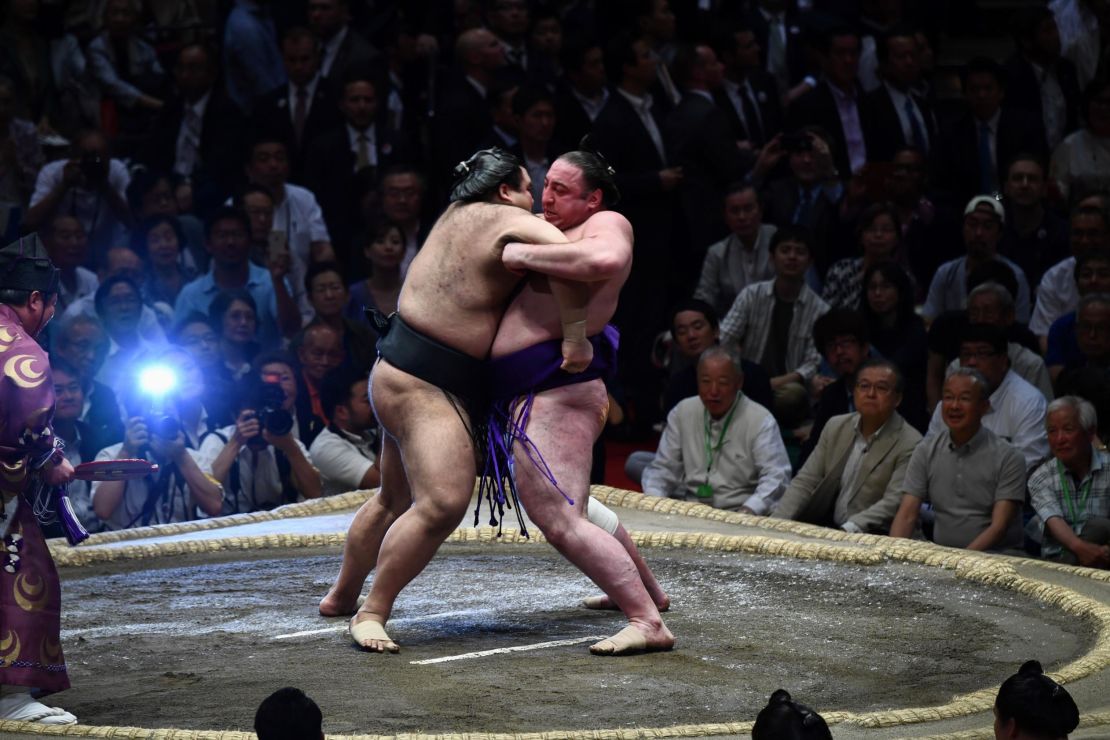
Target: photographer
89	185
173	494
258	459
345	451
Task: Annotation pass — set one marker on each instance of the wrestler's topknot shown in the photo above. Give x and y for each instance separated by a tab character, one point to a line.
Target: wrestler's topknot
596	171
478	178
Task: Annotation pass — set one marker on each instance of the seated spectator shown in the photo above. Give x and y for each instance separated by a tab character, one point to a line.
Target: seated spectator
810	196
151	194
1092	275
695	328
973	478
983	220
330	299
1031	705
190	401
1058	293
233	315
121	262
22	156
1087	377
382	288
196	337
772	323
878	233
82	342
319	350
947	329
1078	164
66	243
786	719
853	479
126	67
258	460
229	246
1016	410
89	185
81	441
345	452
160	243
743	257
288	714
119	303
895	330
1035	237
403	190
181	488
720	447
1075	524
990	304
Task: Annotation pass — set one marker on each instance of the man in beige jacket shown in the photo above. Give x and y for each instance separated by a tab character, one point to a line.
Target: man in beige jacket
853	478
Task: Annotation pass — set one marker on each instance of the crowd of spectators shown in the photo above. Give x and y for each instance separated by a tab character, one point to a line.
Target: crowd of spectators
850	217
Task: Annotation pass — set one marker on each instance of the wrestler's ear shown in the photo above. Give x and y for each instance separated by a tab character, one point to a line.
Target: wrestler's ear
595	199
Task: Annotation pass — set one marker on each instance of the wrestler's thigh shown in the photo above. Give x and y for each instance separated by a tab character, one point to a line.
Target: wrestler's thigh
563	425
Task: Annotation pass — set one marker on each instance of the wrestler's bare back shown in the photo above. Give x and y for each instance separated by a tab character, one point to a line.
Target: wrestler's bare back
533	316
456	288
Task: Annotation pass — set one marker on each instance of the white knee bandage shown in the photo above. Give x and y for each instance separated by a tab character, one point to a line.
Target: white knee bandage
602	516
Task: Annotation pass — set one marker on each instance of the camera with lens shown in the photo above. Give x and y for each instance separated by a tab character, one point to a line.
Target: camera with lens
94	168
164	426
267	404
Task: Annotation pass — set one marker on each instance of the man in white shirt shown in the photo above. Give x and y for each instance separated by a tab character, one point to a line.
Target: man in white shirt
1058	293
720	447
345	452
1017	409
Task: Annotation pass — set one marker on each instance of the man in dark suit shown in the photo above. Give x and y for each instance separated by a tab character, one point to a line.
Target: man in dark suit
897	117
302	109
196	130
342	48
581	93
750	96
462	118
628	132
777	28
357	147
1037	72
987	137
698	134
837	103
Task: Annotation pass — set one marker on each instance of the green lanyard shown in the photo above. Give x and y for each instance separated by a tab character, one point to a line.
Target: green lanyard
1084	492
705	490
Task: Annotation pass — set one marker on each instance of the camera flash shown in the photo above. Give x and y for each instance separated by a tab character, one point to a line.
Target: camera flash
157	380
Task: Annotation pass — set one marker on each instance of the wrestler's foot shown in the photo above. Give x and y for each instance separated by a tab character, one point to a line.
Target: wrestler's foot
633	639
21	707
336	604
368	632
663	603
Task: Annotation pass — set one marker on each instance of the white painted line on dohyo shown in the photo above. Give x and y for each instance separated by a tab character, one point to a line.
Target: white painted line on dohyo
501	651
306	633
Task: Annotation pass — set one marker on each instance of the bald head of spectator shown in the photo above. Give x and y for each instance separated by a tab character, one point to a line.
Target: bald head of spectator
300	54
321	350
479	53
194	73
696	67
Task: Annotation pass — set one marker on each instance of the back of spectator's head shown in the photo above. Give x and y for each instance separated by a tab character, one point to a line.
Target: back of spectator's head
839	322
337	388
993	271
1032	703
987	334
481	177
288	714
785	719
596	172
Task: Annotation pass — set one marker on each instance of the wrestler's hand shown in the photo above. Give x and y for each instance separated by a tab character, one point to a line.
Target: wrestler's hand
60	474
512	258
577	355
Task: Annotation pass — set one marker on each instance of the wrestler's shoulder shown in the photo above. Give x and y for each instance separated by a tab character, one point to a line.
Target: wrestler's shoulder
608	220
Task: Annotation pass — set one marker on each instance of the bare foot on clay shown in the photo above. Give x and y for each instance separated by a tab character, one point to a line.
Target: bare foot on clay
335	605
368	632
662	602
633	639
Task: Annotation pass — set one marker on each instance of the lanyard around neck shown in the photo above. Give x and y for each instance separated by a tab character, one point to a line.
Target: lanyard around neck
1074	508
710	448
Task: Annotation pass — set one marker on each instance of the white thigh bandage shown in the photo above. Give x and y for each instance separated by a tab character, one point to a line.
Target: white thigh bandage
602	516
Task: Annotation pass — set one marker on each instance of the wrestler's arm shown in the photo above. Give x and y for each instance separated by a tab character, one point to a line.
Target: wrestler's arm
602	252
